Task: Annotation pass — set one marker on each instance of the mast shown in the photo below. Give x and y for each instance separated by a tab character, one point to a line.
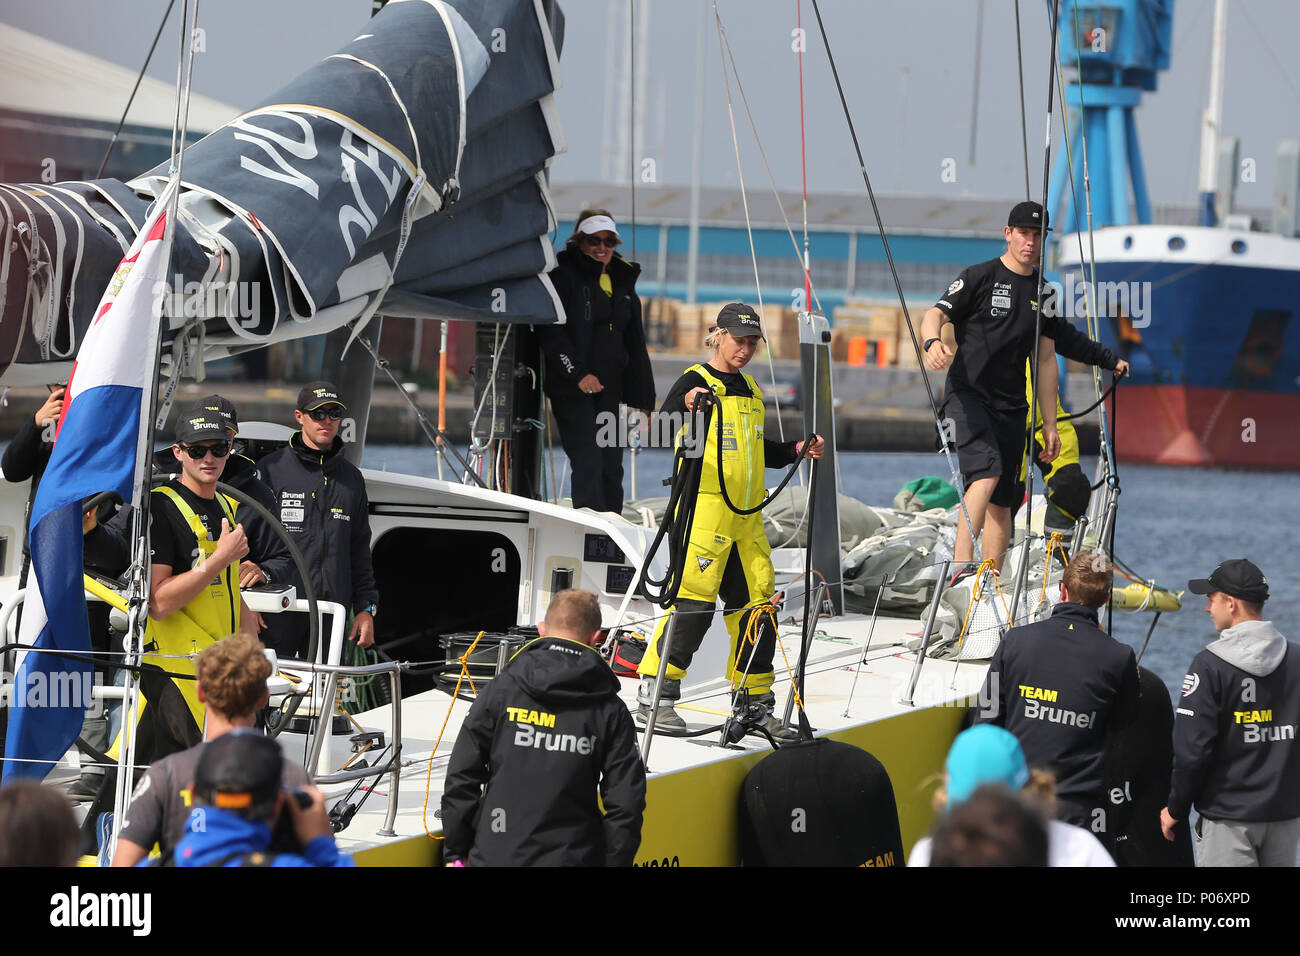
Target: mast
1210	120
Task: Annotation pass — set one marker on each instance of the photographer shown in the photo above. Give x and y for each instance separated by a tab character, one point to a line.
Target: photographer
238	802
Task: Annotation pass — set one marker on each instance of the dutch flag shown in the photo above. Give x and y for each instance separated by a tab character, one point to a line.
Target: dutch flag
94	451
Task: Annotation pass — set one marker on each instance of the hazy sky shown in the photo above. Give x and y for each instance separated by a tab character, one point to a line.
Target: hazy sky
908	69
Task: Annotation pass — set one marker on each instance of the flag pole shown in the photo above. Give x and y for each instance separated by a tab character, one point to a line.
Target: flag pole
141	579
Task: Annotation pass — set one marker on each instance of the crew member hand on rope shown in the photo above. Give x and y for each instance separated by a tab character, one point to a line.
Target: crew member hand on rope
728	553
810	449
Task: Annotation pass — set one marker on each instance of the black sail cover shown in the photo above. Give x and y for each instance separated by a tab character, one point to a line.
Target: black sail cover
403	175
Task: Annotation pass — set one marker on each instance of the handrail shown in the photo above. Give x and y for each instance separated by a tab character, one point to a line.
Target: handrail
327	674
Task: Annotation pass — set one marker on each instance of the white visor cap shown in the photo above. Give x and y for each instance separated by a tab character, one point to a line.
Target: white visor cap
594	224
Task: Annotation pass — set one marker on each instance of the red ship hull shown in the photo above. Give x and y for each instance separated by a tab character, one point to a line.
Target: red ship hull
1208	427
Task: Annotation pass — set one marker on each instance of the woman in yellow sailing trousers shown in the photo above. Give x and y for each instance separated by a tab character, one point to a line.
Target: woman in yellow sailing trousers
728	553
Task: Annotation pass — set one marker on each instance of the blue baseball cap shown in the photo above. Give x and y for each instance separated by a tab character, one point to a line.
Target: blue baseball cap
984	754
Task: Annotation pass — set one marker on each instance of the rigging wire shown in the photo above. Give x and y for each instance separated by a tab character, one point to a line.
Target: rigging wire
140	571
1028	459
1020	69
1089	262
131	99
631	115
975	86
803	160
794	242
898	286
749	228
1094	327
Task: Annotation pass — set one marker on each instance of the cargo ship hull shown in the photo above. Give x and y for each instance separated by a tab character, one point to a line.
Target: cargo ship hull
1206	318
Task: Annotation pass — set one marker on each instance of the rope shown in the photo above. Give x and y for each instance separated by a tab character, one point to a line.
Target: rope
794	684
977	592
428	779
760	612
1053	543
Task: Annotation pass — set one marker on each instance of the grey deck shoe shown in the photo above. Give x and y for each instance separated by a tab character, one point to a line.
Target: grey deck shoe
667	720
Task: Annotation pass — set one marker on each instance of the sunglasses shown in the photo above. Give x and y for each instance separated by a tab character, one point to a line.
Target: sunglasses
219	450
597	241
320	414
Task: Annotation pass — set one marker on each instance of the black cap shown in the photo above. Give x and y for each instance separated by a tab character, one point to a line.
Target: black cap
739	319
1028	214
199	424
238	770
316	394
223	407
1238	578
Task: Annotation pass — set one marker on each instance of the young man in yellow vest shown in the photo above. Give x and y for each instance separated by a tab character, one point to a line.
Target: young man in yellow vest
196	544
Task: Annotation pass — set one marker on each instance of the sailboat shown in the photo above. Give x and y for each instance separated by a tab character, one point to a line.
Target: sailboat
406	175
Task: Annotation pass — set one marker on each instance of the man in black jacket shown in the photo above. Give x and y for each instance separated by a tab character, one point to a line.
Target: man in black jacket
29	452
521	785
1235	752
322	502
597	359
1061	685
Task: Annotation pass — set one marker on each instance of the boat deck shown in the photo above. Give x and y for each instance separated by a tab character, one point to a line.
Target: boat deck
694	782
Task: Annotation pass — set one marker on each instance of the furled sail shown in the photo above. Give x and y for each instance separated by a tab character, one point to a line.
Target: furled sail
403	175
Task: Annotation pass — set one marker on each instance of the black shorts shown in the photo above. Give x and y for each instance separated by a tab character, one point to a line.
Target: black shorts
990	443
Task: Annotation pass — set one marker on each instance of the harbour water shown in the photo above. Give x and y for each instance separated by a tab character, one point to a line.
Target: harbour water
1173	524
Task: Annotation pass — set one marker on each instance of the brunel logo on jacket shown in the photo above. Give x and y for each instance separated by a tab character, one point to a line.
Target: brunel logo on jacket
528	736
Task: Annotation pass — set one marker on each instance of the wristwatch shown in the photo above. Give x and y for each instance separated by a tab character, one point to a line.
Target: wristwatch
925	346
372	609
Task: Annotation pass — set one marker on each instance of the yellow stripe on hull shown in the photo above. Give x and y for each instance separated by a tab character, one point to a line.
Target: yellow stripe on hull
692	816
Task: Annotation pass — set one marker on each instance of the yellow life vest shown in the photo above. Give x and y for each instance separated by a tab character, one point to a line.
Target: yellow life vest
213	615
216	609
742	442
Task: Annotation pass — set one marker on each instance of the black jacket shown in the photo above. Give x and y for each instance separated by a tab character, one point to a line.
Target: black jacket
321	501
1060	686
535	747
266	549
602	335
26	457
1235	752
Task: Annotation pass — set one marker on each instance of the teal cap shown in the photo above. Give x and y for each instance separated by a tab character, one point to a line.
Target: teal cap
984	754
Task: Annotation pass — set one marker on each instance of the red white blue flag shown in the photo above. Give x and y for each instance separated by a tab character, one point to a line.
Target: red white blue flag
94	450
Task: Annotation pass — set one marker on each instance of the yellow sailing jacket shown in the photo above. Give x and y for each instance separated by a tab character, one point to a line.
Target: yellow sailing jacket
742	442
